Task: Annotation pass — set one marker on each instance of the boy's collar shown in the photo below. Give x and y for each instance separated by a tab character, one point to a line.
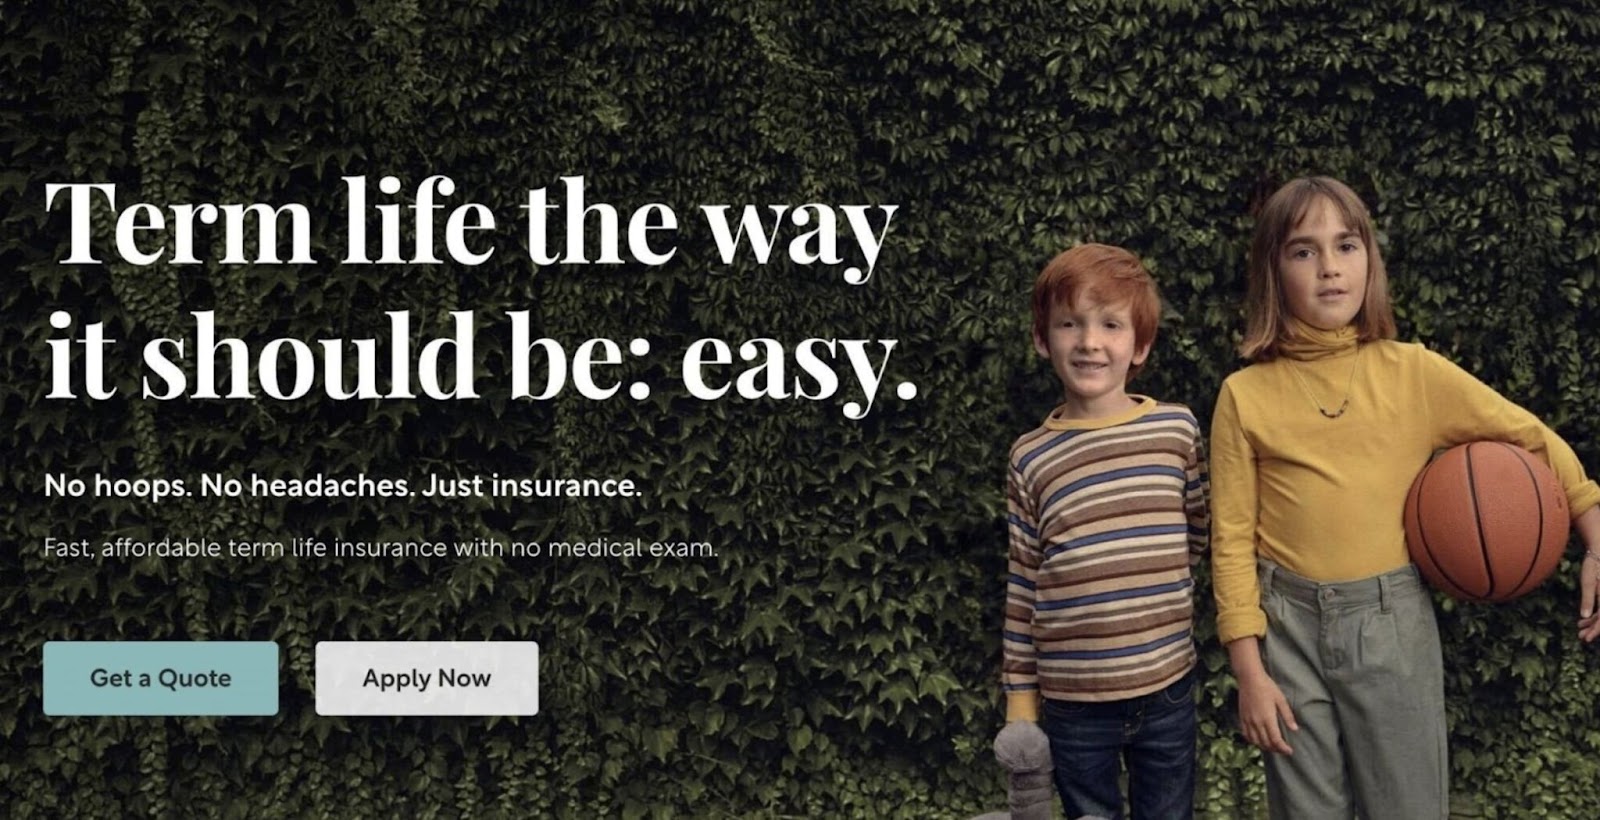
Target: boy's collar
1140	406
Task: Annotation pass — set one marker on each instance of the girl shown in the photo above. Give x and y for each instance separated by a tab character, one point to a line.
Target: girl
1329	630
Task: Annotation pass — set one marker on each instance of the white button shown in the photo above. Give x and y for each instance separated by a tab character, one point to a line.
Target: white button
427	678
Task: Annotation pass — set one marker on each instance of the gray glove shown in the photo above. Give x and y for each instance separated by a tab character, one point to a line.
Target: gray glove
1024	751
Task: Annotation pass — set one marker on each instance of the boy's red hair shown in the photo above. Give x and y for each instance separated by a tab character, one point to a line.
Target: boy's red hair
1106	274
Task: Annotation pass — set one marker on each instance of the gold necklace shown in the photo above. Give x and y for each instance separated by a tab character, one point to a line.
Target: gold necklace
1343	405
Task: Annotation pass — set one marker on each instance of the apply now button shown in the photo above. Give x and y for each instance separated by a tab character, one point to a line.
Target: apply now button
160	678
427	678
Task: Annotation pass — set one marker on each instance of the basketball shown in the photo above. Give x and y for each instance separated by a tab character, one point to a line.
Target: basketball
1486	521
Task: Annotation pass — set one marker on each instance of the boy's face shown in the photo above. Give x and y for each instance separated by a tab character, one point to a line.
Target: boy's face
1323	269
1090	347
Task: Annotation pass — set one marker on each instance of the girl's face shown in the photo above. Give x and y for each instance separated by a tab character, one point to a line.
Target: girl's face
1323	268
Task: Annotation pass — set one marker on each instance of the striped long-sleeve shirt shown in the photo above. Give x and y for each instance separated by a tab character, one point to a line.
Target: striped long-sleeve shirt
1105	518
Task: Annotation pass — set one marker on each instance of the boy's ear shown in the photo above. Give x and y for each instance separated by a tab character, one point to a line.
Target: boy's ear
1039	346
1142	353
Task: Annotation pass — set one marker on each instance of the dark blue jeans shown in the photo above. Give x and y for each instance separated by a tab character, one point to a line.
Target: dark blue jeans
1154	733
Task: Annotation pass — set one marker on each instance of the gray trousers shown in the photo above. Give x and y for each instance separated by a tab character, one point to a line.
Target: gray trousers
1359	662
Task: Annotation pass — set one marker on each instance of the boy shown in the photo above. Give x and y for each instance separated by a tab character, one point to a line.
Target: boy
1107	513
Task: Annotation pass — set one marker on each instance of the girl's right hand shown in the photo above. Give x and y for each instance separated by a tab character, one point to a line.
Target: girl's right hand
1261	705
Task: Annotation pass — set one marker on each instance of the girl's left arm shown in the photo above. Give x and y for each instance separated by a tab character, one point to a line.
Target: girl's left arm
1465	409
1461	409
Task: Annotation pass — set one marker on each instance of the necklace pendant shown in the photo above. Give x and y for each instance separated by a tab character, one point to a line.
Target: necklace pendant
1349	383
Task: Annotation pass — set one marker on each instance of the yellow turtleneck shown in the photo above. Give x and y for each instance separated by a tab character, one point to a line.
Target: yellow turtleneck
1323	497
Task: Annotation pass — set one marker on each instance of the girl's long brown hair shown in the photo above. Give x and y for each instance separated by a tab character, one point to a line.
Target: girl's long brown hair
1266	315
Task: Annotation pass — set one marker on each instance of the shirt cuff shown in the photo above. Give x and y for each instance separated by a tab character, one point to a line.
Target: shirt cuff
1022	706
1583	497
1241	623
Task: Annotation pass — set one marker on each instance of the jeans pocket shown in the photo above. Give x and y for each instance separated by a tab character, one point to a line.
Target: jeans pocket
1181	691
1064	709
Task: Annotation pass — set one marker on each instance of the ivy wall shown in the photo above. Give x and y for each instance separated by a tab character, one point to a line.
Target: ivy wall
838	656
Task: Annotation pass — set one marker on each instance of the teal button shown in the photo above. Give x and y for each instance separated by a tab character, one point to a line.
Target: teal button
160	678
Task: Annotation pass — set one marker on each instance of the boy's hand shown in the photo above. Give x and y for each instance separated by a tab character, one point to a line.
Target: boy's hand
1261	705
1024	750
1022	747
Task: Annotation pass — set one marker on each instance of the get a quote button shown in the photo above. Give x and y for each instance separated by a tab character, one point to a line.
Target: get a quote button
160	678
476	678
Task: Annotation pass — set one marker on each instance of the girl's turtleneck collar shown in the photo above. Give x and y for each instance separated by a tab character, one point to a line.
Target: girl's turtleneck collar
1308	343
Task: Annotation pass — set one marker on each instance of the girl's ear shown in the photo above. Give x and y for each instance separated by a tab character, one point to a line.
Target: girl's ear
1039	346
